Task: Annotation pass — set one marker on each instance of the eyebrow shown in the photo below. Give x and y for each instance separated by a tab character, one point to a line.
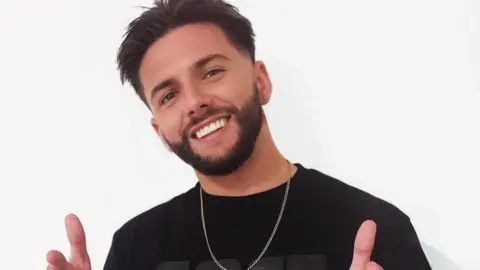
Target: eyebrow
202	62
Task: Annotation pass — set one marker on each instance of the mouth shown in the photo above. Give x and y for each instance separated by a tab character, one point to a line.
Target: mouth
209	127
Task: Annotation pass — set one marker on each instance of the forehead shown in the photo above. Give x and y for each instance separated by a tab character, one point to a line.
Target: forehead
180	48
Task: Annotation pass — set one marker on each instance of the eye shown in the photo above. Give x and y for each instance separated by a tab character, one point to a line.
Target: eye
212	73
168	97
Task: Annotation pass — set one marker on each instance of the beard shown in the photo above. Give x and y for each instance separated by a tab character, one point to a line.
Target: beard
249	119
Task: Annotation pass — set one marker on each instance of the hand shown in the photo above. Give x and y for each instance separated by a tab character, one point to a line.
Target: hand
363	247
79	259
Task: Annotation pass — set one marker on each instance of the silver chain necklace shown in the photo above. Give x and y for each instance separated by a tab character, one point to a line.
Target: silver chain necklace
268	242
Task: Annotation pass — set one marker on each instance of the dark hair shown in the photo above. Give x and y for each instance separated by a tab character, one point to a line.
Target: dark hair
166	15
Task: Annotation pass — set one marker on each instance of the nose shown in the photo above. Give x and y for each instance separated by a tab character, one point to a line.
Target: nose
196	103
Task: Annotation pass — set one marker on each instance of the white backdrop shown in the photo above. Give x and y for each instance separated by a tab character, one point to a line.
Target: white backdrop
383	95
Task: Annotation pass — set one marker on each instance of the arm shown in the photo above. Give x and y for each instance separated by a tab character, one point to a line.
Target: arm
409	253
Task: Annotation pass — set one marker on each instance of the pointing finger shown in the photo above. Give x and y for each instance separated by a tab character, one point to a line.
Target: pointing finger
363	246
76	237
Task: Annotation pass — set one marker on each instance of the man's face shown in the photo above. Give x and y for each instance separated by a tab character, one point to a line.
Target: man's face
205	97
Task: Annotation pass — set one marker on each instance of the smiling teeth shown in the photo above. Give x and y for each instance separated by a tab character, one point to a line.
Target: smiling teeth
211	128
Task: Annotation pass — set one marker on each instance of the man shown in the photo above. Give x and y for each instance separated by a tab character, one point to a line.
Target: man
192	62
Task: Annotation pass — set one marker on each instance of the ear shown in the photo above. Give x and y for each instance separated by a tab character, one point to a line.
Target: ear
155	126
263	82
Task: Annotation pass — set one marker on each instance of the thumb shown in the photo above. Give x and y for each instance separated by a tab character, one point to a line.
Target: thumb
76	237
56	260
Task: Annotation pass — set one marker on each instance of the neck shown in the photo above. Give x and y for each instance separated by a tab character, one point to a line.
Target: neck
264	170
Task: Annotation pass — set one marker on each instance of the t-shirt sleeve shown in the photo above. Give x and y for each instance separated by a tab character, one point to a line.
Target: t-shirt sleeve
111	262
409	253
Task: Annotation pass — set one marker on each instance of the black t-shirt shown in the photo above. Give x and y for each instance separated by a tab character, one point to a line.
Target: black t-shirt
317	231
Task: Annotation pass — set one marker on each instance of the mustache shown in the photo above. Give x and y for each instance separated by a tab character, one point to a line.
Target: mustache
206	114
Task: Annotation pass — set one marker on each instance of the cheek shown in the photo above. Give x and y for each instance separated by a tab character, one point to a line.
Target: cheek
170	127
235	92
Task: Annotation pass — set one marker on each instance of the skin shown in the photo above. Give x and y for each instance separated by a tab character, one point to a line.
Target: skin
173	58
230	88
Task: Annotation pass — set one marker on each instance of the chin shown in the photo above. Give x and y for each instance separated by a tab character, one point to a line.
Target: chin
217	153
221	161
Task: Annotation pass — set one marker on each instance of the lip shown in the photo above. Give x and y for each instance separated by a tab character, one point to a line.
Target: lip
206	122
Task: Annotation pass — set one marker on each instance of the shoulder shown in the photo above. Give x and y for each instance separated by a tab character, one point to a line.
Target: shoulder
342	196
348	206
159	230
343	208
157	221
